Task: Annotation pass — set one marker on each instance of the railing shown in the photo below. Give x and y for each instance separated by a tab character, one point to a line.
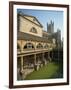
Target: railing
33	50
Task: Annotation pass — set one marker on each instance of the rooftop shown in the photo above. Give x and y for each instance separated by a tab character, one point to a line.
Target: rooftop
26	36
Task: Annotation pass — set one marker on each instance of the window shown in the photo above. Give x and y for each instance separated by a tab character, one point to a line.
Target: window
28	46
46	46
33	30
39	46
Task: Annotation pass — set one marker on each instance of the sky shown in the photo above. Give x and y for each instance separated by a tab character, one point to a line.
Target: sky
45	16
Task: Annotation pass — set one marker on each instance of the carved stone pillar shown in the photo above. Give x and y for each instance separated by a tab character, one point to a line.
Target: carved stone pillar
34	59
49	58
21	63
36	65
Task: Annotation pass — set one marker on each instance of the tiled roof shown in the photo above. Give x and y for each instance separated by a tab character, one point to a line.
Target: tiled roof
26	36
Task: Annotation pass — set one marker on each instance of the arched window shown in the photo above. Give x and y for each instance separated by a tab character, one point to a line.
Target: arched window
46	46
33	30
39	46
28	46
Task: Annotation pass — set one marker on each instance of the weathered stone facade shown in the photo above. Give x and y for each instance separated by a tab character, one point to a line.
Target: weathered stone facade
33	50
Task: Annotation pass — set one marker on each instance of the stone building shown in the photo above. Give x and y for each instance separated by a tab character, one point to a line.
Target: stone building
50	27
33	49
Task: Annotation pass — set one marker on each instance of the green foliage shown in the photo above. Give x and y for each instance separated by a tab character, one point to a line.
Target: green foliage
49	71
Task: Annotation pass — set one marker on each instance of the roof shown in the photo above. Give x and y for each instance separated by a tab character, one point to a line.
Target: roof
26	36
26	17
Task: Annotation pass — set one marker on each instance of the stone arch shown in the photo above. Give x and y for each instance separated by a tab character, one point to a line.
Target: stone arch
28	45
39	45
46	46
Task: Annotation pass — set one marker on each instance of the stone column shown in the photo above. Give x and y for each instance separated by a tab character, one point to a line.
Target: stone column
44	60
43	56
21	68
49	56
36	66
34	59
21	63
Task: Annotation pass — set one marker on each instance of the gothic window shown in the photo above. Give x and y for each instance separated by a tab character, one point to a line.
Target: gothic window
39	46
33	30
28	46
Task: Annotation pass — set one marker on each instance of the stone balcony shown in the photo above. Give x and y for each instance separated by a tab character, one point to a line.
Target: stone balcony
24	51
